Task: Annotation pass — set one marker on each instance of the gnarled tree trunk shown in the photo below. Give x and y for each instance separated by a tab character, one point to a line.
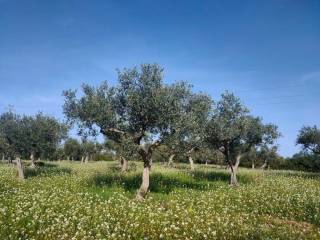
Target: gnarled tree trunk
86	160
19	168
252	164
124	164
142	192
146	155
170	162
191	163
233	171
190	159
233	176
32	164
3	158
264	165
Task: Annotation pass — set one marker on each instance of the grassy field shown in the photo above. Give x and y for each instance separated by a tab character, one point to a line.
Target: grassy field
94	201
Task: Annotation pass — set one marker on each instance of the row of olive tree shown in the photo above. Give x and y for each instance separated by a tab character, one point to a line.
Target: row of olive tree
84	151
309	138
75	150
29	137
142	113
306	160
309	158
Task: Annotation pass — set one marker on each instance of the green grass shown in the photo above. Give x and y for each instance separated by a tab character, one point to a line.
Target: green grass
95	201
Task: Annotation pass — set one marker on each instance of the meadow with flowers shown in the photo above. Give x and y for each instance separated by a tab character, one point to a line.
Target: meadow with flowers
69	200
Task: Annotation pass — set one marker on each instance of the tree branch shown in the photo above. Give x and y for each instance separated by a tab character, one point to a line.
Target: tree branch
156	144
191	150
238	157
116	131
138	136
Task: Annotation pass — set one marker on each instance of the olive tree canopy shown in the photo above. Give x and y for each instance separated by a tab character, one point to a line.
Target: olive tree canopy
309	138
42	135
233	131
11	132
190	128
141	109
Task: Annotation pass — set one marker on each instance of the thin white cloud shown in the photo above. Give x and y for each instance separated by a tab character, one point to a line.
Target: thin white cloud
311	77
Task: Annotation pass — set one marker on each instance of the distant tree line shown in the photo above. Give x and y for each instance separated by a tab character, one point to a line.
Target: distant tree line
29	137
74	150
143	118
42	137
309	158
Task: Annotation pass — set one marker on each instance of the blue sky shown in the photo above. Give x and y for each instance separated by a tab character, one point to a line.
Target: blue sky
266	52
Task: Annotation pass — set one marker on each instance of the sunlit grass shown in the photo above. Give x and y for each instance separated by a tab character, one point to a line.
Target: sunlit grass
95	201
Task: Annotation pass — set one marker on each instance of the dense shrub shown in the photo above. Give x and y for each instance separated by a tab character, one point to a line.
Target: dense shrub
304	162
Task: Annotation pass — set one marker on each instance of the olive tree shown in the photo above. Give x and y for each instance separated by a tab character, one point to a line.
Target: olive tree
72	149
24	136
141	109
190	128
3	146
267	155
42	135
12	131
234	132
194	128
88	149
309	138
124	151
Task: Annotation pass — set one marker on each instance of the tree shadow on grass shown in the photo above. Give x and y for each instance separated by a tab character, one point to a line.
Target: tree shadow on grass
295	174
46	169
159	183
166	183
221	176
211	176
132	167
